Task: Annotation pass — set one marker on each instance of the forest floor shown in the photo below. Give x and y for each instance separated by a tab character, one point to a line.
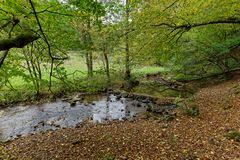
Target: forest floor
185	137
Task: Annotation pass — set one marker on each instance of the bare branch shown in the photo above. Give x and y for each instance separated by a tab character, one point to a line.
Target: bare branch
181	29
190	26
62	14
6	12
52	12
47	42
5	25
38	12
170	5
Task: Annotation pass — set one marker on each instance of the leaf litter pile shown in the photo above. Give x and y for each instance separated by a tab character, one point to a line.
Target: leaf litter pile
184	138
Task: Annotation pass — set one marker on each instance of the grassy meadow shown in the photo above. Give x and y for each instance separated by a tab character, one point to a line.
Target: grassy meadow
75	70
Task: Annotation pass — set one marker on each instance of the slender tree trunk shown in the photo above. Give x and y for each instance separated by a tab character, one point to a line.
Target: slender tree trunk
32	69
127	61
89	55
105	54
89	63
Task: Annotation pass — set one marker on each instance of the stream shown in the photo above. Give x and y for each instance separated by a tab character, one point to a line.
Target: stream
23	120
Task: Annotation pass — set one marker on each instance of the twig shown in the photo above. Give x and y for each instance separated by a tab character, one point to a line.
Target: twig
53	12
5	25
170	5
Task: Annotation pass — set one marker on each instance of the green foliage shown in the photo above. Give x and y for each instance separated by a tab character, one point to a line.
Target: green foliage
100	28
192	111
206	49
179	102
95	84
233	134
88	7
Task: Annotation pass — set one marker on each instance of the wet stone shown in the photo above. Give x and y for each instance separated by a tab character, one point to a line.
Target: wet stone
73	103
139	105
118	97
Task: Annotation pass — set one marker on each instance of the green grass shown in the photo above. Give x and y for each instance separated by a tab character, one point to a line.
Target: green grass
148	70
76	80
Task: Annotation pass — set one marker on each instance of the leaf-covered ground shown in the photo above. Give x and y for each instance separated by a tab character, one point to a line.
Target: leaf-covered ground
201	137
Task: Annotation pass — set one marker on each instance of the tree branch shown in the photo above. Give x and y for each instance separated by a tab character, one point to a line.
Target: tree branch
15	21
181	29
170	5
47	42
52	12
5	25
17	42
190	26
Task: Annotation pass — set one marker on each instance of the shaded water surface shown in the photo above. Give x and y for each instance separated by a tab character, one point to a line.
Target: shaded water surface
22	120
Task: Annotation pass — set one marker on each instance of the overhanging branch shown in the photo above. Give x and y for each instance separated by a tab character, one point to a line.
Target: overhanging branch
17	42
190	26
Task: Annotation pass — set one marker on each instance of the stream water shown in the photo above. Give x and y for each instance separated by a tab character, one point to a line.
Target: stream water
23	120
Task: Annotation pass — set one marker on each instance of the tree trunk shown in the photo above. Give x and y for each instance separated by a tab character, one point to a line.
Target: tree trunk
127	61
105	54
89	52
89	63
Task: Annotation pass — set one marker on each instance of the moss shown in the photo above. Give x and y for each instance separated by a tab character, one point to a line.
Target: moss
18	42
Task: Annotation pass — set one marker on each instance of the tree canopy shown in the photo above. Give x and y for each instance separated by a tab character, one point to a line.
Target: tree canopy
172	34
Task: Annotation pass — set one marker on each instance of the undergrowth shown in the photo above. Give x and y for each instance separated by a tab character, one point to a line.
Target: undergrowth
27	93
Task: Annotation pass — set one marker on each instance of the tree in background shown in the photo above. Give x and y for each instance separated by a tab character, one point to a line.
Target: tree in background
88	15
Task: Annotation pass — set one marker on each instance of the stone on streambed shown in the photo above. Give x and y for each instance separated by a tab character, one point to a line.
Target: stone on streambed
72	103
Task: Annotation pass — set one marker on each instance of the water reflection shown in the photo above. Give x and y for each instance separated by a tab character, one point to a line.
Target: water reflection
23	120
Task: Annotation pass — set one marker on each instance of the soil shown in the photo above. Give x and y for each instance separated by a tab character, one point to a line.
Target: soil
185	137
